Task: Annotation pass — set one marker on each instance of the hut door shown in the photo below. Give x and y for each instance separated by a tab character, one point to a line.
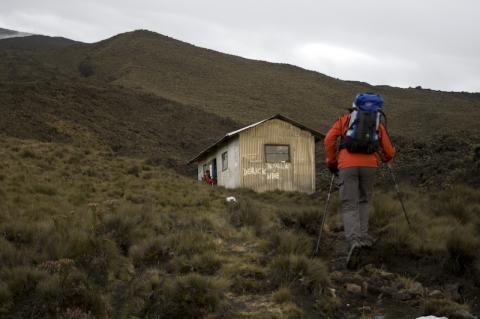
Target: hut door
214	168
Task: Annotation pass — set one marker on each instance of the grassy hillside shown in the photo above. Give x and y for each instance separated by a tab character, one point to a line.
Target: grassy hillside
94	224
129	123
236	88
145	95
248	90
87	234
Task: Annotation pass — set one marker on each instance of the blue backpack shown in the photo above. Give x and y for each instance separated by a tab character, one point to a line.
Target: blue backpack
362	133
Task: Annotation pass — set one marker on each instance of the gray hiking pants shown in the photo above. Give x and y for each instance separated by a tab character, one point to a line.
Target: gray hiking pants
356	185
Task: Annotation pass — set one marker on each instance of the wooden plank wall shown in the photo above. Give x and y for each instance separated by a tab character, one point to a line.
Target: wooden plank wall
297	175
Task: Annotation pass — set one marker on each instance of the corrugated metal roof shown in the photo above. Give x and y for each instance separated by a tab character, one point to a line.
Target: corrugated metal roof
232	134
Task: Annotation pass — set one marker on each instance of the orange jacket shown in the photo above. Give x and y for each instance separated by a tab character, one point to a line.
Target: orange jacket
347	159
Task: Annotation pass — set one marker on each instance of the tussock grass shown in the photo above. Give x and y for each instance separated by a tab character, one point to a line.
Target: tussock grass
207	263
282	295
288	242
246	277
462	250
298	271
445	307
97	236
307	220
445	225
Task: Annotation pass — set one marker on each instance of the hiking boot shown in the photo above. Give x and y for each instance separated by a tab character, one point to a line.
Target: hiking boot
353	257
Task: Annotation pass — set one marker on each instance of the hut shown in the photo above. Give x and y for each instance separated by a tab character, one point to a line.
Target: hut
277	153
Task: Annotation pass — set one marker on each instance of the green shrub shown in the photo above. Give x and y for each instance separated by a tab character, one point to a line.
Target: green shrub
161	249
207	264
245	277
19	287
27	154
124	227
288	242
462	249
44	189
458	202
68	290
328	305
308	220
385	210
282	295
292	311
292	270
20	231
134	170
445	308
152	252
9	254
455	207
6	298
190	296
191	242
97	256
248	213
135	298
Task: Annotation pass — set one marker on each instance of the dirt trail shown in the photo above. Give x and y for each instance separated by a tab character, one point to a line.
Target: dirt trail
398	286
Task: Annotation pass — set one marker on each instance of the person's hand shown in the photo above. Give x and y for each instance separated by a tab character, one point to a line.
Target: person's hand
333	169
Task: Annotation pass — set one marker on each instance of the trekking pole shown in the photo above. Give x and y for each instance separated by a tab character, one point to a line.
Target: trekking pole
399	194
324	214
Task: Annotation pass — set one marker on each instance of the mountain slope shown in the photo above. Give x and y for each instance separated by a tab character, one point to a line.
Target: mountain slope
35	43
6	33
214	93
129	123
248	90
84	234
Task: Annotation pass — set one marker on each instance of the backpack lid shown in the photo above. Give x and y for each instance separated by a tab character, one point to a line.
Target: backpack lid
368	101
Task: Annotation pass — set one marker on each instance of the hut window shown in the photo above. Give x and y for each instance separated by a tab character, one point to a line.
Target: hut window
224	161
277	153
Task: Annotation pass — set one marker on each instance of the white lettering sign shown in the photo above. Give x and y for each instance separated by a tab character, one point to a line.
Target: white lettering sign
273	176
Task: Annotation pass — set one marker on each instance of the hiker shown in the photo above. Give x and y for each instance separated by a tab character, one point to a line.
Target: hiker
207	178
364	143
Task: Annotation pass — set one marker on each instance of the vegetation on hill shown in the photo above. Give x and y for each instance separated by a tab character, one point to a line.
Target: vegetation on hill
248	90
95	224
118	90
87	234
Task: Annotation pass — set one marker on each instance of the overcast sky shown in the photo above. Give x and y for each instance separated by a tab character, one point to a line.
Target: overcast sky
432	43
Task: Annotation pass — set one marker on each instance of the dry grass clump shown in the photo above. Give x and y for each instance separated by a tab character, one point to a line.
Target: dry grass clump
36	292
298	271
189	296
288	242
99	240
462	251
246	277
249	213
307	220
155	295
446	308
207	263
445	225
162	248
282	295
72	250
